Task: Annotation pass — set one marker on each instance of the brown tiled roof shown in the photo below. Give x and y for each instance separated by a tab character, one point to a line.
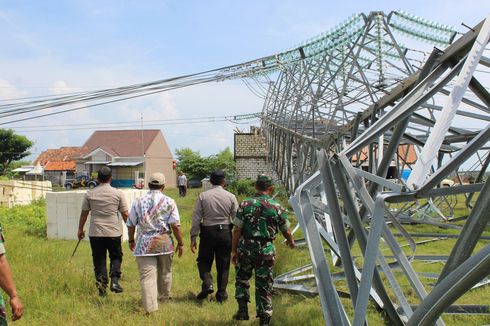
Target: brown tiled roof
122	143
411	156
62	154
60	166
408	151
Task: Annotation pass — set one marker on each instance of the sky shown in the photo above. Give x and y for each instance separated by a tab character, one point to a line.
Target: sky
55	47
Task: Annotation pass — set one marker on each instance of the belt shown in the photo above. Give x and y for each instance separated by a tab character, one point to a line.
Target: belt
258	239
216	227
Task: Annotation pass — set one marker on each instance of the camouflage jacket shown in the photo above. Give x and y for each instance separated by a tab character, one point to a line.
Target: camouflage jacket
260	218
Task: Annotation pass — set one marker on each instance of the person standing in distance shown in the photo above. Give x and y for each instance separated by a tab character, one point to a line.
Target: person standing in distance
182	184
154	216
211	220
105	232
256	223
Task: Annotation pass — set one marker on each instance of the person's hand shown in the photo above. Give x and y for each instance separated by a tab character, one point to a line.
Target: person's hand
17	308
193	246
291	244
180	250
81	234
234	258
132	245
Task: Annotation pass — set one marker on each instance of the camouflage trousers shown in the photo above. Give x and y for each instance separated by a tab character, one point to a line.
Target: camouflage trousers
249	260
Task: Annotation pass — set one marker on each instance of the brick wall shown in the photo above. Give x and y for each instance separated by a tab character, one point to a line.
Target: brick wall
251	156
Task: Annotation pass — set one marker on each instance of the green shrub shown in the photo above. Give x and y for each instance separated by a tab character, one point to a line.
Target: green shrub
31	219
243	187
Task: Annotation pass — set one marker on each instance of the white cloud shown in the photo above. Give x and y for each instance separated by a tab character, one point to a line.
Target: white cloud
9	91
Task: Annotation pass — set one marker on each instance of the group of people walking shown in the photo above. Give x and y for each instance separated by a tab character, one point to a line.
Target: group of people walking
221	231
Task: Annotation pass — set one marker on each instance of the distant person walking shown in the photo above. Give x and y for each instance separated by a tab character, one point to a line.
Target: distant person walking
7	284
256	223
211	220
154	216
103	202
182	184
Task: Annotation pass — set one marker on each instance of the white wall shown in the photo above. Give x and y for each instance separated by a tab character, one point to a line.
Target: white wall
15	192
63	212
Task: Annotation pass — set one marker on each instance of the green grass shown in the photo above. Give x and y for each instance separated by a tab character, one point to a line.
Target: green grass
58	291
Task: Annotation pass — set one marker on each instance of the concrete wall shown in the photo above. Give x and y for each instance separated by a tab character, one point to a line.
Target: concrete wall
63	212
158	158
251	156
15	192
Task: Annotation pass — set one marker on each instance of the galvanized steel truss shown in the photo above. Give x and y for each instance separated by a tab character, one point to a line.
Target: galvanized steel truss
325	113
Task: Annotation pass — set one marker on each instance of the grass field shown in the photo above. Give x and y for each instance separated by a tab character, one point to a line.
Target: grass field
58	291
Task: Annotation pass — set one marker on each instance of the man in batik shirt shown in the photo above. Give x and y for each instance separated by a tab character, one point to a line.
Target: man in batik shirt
257	221
154	216
7	284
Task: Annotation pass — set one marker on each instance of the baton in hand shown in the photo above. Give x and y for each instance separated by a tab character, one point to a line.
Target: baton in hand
76	247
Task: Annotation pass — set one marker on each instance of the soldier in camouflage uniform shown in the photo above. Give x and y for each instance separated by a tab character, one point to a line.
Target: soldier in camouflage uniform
256	223
7	284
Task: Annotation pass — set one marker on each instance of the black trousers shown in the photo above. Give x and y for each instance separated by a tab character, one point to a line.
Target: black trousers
100	247
215	243
182	191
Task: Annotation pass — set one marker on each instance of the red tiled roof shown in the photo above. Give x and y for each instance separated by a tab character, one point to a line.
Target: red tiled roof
122	143
62	154
60	166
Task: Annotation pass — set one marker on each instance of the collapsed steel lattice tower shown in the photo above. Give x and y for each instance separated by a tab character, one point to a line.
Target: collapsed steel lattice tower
353	102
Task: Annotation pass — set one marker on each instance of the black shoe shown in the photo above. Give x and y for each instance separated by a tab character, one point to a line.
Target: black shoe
265	320
102	293
115	287
221	297
242	313
204	293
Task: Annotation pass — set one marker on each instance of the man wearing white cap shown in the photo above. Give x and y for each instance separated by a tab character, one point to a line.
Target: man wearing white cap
154	216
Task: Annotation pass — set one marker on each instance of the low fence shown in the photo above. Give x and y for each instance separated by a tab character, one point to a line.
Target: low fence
17	192
63	212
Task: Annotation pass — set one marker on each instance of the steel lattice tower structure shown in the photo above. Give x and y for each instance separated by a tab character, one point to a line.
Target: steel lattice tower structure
344	108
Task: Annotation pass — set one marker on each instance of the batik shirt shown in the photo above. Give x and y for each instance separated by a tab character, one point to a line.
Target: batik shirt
152	216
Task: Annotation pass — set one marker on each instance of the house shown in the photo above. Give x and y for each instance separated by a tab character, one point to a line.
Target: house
405	155
58	164
133	156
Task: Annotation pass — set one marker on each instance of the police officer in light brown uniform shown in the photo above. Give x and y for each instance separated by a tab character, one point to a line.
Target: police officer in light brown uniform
211	220
104	202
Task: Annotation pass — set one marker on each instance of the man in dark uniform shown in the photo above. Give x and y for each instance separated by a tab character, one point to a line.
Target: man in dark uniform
211	220
256	223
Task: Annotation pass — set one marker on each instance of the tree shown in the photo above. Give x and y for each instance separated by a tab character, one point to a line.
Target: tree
196	166
191	162
222	161
13	147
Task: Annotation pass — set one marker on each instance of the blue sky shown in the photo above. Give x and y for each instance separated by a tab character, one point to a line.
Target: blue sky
51	47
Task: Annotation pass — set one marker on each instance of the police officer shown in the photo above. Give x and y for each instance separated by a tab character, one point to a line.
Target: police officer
105	232
211	220
256	223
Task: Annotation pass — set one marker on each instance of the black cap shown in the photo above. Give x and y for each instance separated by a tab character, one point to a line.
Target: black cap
104	173
217	177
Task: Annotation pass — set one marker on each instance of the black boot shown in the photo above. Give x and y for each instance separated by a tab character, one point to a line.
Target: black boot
206	290
242	313
115	287
101	286
265	320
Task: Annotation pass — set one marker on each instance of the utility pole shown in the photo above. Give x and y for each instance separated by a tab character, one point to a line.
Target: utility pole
143	149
